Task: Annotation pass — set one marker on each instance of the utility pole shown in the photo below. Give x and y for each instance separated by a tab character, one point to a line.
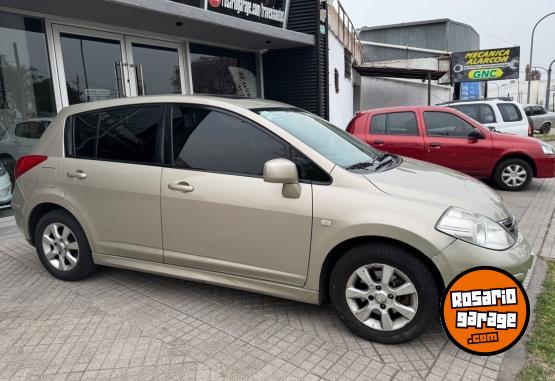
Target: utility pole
532	50
548	89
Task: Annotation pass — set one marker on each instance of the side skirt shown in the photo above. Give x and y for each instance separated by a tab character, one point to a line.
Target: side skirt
218	279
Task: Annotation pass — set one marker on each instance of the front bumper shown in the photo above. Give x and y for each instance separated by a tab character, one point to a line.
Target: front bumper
460	256
545	166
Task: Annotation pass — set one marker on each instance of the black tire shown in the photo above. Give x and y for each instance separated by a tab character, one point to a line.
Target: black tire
498	174
402	259
9	164
85	265
546	128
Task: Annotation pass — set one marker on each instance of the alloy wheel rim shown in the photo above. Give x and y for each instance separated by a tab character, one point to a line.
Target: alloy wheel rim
60	247
382	297
514	175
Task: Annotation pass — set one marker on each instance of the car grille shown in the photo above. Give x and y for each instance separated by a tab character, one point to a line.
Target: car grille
511	225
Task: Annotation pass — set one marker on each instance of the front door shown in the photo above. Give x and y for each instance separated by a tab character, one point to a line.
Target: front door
95	65
447	143
218	214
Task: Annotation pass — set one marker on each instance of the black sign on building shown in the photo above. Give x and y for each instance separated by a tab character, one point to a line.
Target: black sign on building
486	65
269	12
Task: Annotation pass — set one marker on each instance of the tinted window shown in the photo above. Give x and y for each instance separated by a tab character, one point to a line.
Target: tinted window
472	111
214	141
308	171
398	123
30	130
509	112
85	129
538	110
123	134
528	111
486	114
446	125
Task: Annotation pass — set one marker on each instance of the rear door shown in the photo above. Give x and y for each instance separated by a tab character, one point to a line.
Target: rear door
396	132
111	177
448	144
514	120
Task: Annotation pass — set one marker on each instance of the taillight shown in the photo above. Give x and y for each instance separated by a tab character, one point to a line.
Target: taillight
25	163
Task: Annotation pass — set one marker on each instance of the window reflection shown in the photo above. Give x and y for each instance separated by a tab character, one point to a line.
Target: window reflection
26	91
221	71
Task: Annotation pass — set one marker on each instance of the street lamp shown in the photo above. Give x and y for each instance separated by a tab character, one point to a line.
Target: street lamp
548	91
539	84
532	50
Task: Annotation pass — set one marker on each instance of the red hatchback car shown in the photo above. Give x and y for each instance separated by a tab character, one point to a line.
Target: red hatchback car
449	138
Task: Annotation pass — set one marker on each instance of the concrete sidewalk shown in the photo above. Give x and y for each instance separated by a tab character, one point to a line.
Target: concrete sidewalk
123	324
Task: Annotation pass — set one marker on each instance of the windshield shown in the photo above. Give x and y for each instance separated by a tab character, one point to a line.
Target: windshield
332	142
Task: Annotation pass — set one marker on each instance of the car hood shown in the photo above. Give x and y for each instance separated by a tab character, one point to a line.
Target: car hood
432	183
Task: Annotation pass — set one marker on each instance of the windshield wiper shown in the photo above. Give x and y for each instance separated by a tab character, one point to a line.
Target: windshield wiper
361	165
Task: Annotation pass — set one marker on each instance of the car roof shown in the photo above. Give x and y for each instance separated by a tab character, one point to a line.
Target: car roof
403	108
222	101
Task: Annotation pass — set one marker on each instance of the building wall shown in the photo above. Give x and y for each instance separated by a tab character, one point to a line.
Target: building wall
341	103
389	92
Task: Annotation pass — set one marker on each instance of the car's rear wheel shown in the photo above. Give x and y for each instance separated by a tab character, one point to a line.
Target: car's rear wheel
63	247
384	293
546	128
513	174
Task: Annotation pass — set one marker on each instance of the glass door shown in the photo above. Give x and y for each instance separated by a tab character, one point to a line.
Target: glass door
95	65
91	65
155	67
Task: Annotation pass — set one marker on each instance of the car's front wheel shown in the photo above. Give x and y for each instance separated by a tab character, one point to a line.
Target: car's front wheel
384	293
62	246
513	175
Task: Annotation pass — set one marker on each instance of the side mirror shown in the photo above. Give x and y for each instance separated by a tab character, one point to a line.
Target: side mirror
476	134
283	171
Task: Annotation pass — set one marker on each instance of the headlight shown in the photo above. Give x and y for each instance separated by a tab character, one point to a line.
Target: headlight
547	148
475	229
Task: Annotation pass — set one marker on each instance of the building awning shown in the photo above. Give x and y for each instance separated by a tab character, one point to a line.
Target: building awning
169	18
404	73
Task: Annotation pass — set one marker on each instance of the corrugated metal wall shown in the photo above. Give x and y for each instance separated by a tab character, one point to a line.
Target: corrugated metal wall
443	35
299	76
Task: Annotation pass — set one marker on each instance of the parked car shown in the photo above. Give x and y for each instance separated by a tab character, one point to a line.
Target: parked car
5	188
445	136
18	139
497	114
541	118
260	196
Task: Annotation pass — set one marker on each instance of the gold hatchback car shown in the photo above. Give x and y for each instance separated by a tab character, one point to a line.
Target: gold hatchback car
259	196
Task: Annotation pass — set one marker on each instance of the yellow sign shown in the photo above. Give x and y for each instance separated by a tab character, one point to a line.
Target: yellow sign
486	74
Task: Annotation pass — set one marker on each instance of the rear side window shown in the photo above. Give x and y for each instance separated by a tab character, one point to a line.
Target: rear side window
128	134
509	112
397	123
538	110
30	130
479	112
213	141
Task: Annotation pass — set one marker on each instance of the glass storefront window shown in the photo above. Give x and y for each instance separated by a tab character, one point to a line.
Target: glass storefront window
27	102
222	71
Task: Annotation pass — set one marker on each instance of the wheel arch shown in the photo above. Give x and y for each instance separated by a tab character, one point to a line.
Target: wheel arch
337	252
39	211
516	155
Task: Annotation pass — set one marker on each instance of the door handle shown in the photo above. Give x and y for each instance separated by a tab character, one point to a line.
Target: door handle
181	186
435	145
79	174
378	142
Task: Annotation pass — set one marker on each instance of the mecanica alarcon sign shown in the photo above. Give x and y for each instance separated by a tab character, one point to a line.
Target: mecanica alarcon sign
486	65
270	12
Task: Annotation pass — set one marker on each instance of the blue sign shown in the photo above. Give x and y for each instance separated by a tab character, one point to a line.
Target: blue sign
470	91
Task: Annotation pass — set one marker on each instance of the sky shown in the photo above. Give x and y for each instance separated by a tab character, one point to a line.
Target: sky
499	23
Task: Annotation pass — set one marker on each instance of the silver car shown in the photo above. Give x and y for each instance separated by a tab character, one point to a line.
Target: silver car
259	196
542	119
